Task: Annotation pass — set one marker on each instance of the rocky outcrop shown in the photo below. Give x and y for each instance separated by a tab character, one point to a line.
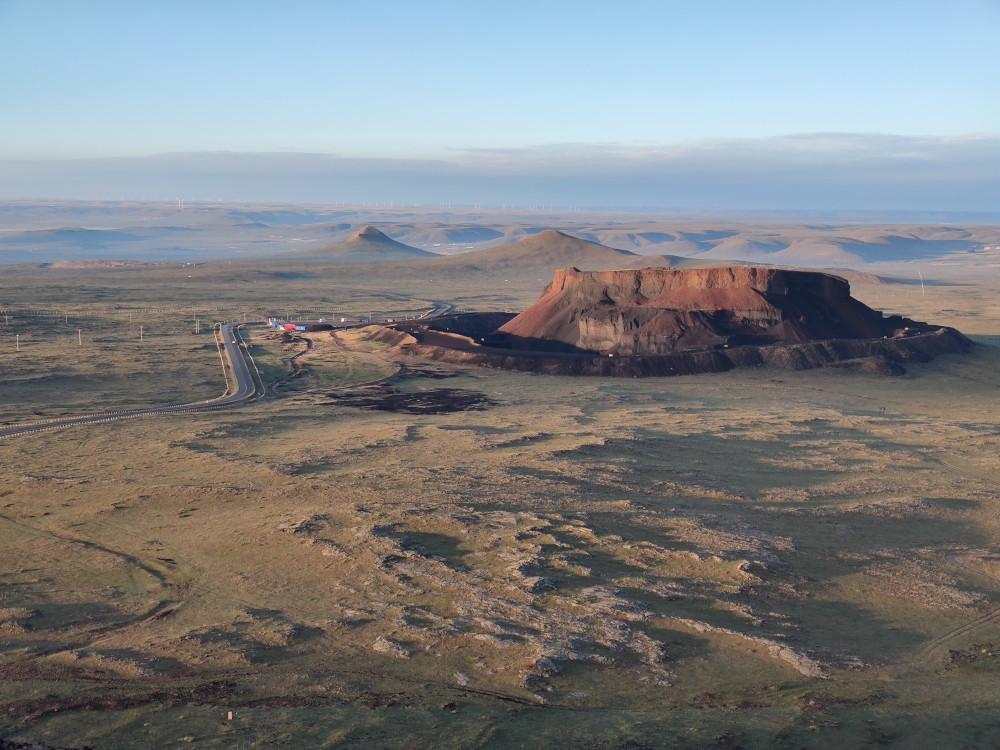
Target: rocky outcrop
658	311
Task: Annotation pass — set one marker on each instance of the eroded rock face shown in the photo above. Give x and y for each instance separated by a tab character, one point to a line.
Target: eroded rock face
657	311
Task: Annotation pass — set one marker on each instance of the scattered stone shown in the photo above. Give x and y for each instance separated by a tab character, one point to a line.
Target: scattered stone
390	647
980	652
308	525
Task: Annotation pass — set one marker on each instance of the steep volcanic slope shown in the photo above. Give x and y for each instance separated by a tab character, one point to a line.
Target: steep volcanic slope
656	311
368	245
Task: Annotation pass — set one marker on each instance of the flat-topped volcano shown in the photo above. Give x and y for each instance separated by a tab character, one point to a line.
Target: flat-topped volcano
661	311
662	321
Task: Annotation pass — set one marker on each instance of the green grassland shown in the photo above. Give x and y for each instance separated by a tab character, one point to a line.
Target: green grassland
750	559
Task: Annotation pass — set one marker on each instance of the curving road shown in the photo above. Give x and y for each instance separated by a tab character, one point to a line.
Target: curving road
439	309
246	386
244	389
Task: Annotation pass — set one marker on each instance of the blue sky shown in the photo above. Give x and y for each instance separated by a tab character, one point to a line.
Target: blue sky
468	81
417	78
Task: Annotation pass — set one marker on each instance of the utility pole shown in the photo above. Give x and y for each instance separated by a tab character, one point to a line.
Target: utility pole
79	337
17	342
140	333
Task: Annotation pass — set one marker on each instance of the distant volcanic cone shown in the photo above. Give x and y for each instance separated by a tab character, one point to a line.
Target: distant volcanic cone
368	245
369	232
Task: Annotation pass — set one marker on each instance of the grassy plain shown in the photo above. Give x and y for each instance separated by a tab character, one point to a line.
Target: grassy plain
756	558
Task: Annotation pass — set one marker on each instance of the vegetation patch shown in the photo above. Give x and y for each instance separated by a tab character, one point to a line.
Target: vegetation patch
434	401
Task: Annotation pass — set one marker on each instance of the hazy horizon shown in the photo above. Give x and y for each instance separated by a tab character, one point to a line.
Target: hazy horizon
810	172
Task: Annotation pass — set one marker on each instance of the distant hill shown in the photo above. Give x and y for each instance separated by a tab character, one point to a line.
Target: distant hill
81	237
550	250
826	246
33	232
447	238
679	261
81	265
370	245
545	251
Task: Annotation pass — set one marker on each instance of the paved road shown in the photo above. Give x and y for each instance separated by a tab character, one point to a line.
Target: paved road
246	386
243	389
439	309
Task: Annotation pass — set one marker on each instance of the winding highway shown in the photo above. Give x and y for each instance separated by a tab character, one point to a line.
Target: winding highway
240	386
439	309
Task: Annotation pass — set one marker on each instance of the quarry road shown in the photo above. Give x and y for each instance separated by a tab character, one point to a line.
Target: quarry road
240	386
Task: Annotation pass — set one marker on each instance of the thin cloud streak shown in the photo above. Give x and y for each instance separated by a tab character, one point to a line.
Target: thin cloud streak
813	149
801	171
